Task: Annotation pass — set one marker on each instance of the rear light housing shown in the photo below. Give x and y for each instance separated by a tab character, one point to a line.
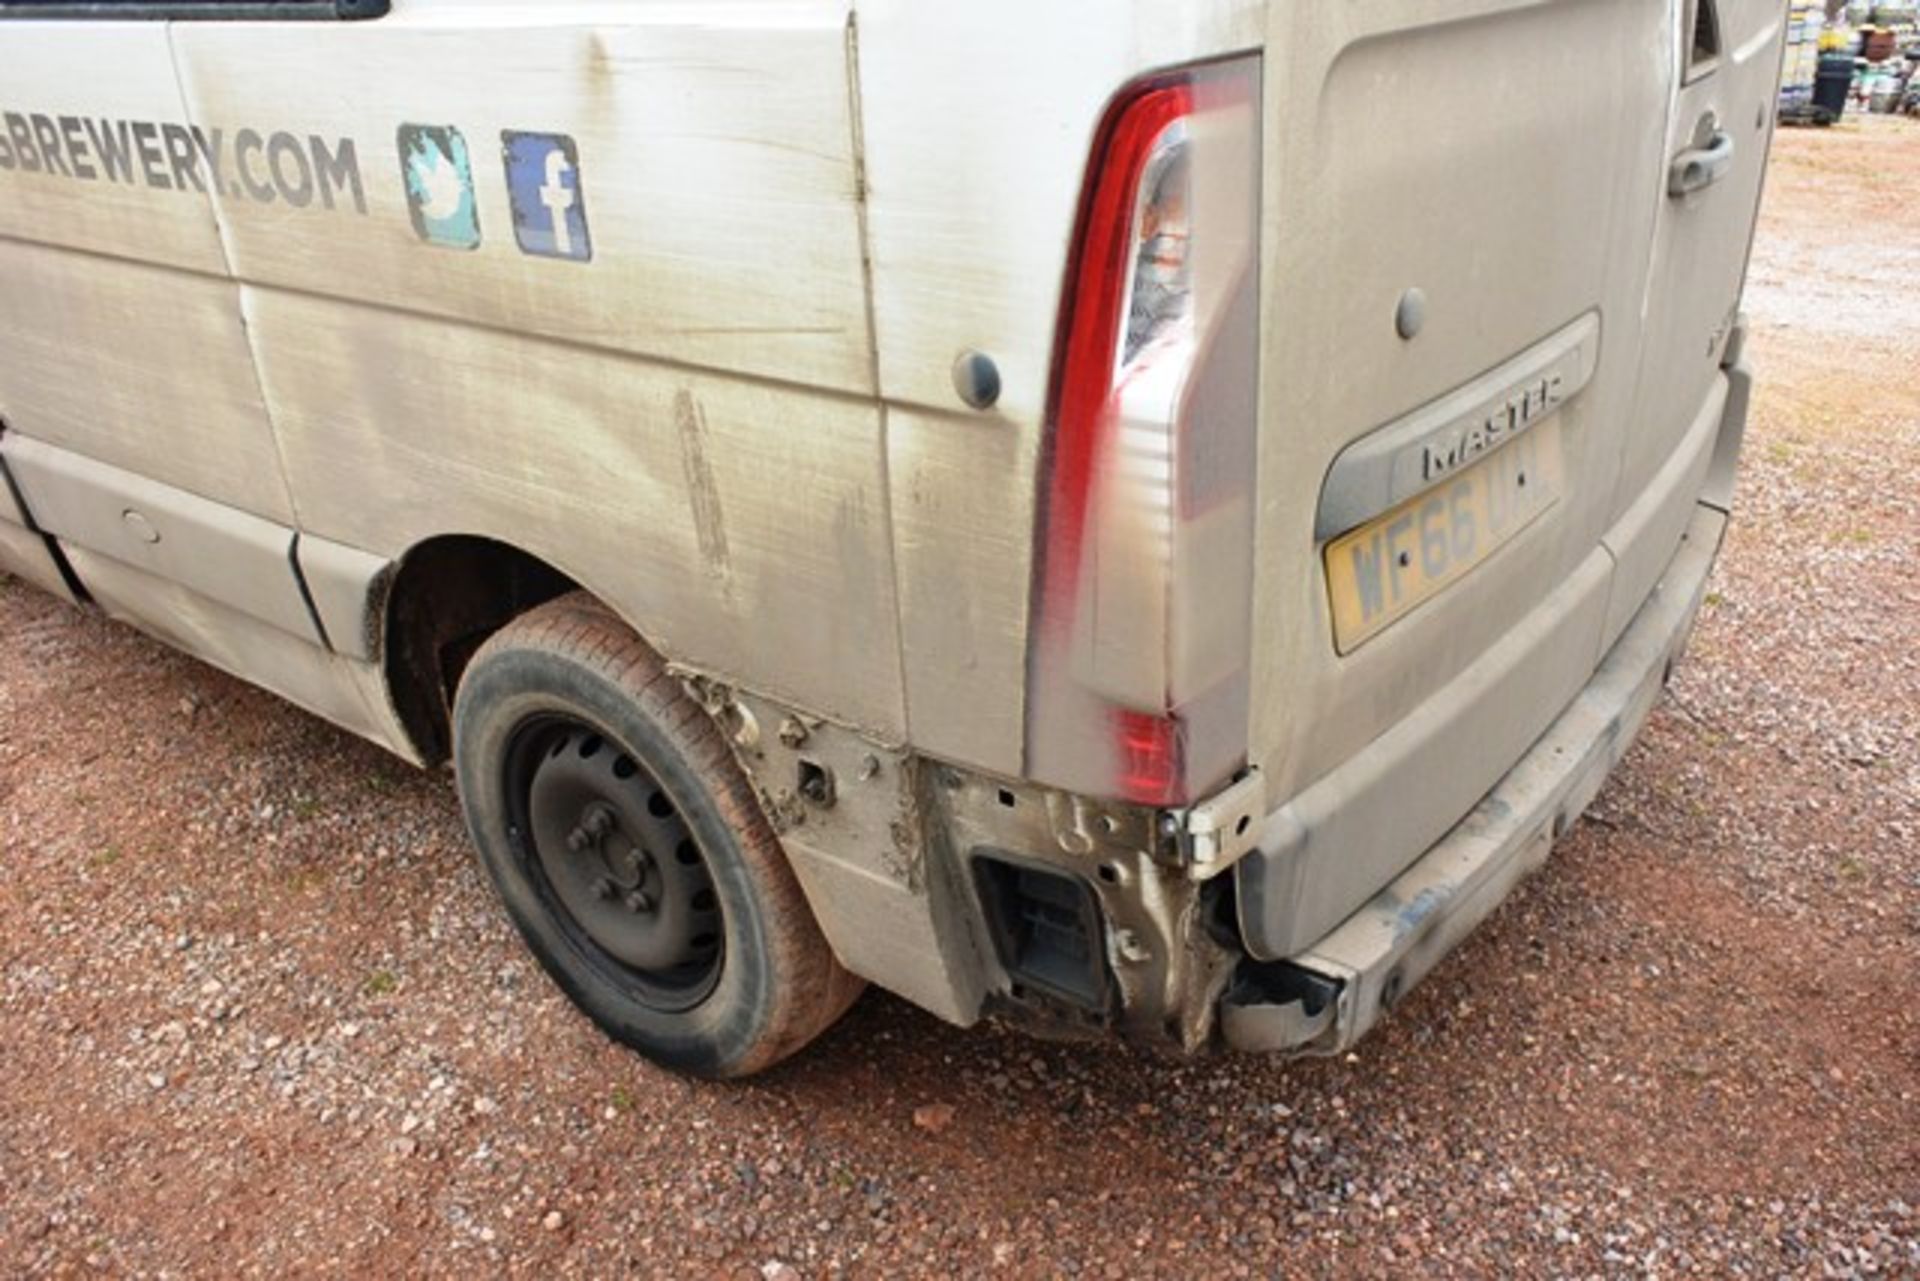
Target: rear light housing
1139	650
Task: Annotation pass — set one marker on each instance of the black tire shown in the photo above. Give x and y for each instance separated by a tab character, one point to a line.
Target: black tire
714	968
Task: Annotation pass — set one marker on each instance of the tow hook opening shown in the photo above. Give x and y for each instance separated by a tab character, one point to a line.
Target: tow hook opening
1277	1006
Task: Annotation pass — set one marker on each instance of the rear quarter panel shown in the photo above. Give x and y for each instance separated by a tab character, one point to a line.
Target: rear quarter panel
977	119
684	422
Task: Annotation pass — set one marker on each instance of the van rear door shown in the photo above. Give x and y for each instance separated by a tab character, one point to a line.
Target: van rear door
1717	140
1462	209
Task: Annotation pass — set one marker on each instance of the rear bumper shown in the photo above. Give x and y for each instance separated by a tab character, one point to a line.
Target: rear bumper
1321	1000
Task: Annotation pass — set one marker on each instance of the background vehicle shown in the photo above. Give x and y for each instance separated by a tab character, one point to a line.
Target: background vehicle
1158	545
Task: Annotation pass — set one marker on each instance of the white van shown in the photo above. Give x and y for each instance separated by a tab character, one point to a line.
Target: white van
1137	516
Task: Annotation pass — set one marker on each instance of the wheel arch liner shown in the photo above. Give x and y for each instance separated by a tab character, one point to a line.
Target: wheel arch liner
347	588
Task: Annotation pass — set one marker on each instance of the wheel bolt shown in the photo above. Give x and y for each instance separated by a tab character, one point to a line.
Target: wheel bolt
578	839
640	901
598	822
604	887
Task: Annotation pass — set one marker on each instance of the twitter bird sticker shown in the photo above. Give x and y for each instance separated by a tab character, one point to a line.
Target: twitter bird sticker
433	163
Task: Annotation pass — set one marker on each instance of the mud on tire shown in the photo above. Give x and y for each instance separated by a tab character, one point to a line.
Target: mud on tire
630	850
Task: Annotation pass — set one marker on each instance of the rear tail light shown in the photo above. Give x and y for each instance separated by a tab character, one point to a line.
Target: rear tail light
1138	666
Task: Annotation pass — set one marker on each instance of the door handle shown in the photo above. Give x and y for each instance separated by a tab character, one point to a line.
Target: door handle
1698	168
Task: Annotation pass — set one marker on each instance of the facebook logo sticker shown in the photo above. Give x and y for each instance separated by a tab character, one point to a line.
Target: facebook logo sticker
543	185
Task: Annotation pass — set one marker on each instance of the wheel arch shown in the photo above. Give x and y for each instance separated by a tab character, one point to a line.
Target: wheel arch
445	597
575	661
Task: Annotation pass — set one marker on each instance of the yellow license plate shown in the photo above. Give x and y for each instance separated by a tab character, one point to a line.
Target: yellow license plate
1382	571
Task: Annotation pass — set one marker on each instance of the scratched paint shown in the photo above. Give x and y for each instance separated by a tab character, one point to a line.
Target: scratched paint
703	494
1412	915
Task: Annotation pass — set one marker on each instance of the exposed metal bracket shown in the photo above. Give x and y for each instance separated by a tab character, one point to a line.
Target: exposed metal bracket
1216	833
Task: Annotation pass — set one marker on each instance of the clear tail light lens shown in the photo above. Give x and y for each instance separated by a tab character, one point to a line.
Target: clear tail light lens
1139	652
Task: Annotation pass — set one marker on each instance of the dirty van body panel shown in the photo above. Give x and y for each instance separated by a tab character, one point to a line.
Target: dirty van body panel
1369	961
740	522
1513	222
758	556
714	191
122	338
88	369
109	87
24	550
972	191
1512	234
1699	260
349	694
671	402
583	410
223	553
136	435
26	554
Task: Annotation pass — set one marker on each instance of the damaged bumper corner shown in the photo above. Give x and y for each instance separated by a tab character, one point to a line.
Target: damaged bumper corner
1322	1000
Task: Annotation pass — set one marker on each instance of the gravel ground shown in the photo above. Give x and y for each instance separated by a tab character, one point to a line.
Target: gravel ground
260	1014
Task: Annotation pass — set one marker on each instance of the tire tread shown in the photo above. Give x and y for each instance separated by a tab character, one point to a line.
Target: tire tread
816	990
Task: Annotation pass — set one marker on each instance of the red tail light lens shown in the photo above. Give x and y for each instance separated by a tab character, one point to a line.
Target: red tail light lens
1152	757
1098	301
1139	629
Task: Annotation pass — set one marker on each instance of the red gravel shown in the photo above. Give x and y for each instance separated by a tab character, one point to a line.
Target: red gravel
260	1014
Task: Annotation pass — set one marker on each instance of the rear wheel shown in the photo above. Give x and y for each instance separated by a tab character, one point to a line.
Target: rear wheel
630	851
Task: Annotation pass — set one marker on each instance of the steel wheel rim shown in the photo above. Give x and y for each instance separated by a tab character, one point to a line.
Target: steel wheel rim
615	862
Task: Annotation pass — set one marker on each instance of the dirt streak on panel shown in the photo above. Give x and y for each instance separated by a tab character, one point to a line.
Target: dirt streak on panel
703	496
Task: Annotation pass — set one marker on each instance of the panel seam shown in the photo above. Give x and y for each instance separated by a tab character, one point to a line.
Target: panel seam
232	277
856	124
